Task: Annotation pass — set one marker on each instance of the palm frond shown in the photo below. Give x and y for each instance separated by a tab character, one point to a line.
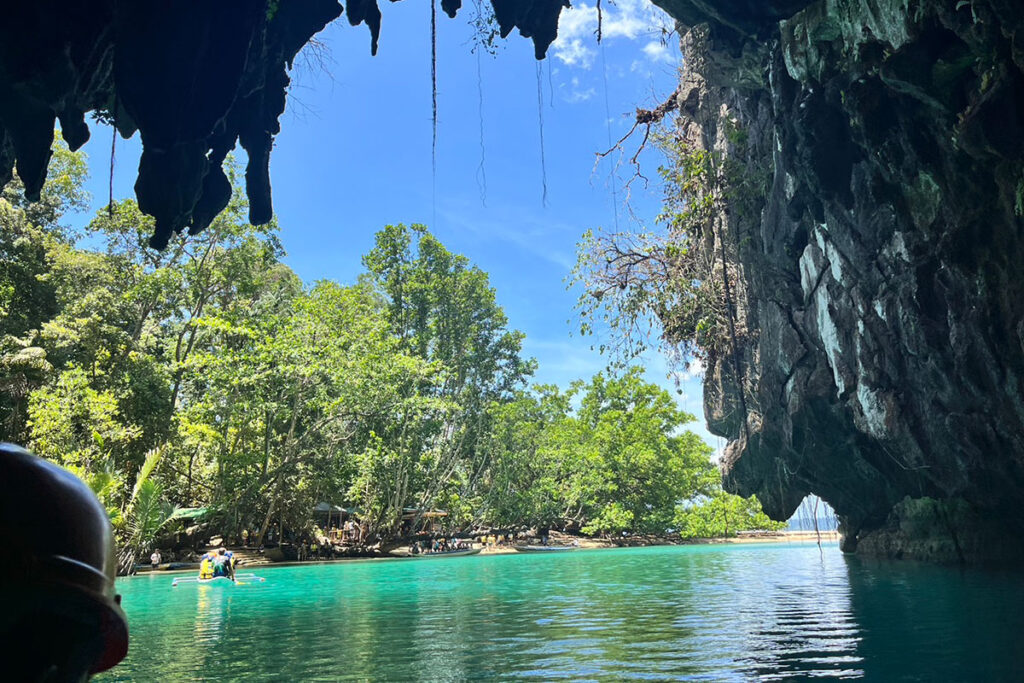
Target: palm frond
149	513
148	465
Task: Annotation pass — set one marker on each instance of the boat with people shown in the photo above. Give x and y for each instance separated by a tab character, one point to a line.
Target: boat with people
442	547
544	548
463	552
218	566
236	580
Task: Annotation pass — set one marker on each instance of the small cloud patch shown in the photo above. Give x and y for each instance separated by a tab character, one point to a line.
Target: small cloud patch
629	19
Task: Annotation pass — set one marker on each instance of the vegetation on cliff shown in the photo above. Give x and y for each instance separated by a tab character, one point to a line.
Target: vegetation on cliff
668	286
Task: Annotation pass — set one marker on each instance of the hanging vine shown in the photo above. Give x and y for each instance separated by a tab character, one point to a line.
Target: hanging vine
110	189
484	37
608	125
540	125
433	116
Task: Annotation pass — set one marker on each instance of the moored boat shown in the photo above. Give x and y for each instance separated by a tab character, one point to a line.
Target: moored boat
544	548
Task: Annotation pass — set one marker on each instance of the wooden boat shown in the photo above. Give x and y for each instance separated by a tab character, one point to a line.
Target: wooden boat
219	580
449	553
544	548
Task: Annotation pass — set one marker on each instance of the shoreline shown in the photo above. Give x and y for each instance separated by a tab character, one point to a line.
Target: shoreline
809	537
584	543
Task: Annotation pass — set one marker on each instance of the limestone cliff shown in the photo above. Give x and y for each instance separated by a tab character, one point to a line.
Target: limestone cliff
875	240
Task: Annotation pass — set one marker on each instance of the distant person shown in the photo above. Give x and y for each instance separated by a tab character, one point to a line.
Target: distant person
155	558
61	617
245	538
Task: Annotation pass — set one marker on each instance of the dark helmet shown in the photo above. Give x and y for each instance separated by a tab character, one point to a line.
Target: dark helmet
57	574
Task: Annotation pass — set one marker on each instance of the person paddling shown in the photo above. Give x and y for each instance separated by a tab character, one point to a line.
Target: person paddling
223	565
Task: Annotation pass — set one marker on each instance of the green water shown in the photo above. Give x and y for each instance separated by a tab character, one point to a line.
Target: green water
697	612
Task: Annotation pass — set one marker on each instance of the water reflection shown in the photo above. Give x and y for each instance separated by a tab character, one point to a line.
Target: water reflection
704	613
929	623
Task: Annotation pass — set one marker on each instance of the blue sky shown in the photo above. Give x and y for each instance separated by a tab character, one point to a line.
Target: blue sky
354	154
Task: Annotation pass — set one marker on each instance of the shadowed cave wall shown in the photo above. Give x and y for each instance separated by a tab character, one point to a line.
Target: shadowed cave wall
873	240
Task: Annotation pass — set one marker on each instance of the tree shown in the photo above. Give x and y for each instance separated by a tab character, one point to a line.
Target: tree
644	466
72	423
721	514
29	231
519	480
209	376
444	311
619	461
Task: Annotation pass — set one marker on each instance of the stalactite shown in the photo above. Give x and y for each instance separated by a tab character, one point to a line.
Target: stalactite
188	81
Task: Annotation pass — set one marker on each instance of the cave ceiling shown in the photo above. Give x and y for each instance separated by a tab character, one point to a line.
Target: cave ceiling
192	78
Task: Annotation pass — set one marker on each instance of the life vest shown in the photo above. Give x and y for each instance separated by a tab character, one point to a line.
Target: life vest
205	569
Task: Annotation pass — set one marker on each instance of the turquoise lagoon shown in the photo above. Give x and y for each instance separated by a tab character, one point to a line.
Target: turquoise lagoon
715	613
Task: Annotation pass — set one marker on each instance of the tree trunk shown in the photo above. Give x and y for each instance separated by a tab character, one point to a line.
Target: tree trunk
266	522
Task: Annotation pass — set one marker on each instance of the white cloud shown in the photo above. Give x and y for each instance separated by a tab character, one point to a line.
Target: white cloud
629	19
574	53
578	94
574	26
694	369
657	51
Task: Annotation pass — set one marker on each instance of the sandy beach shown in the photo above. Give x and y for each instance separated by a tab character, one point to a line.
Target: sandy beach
639	541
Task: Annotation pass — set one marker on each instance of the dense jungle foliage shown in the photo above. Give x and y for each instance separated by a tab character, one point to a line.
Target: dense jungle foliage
210	376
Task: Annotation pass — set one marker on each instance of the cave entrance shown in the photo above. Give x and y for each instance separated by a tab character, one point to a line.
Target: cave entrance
813	514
